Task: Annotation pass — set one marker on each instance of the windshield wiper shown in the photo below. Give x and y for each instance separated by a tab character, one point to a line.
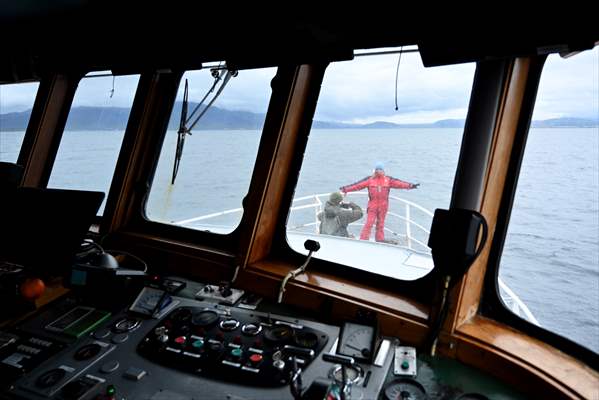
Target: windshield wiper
184	130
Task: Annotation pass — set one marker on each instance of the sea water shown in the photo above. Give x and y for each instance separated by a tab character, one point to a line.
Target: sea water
551	254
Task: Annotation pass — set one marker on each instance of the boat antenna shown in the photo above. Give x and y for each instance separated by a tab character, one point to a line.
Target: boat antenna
397	75
184	126
311	246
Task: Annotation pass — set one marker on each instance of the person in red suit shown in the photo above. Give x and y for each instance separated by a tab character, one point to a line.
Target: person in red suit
379	185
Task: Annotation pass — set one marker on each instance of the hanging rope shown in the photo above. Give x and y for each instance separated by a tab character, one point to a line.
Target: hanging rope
397	75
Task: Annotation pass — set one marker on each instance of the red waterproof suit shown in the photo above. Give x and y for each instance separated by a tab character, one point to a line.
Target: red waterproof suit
378	186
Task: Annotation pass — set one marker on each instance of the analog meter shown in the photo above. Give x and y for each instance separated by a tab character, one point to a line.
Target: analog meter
358	341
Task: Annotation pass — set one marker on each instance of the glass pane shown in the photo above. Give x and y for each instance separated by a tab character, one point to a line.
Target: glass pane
16	102
551	254
382	223
93	134
217	159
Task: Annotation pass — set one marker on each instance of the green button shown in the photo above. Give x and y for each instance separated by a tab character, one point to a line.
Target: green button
198	344
110	390
236	352
405	365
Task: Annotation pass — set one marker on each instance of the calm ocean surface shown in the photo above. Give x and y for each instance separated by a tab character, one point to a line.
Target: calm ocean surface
551	256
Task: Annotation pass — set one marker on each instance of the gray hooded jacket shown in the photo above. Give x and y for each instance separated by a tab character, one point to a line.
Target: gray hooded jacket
335	218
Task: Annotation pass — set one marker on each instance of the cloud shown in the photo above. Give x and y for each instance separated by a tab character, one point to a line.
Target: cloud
17	97
249	91
364	89
569	87
361	90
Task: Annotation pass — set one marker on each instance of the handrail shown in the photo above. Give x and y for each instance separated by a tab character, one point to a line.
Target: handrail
409	223
512	301
517	305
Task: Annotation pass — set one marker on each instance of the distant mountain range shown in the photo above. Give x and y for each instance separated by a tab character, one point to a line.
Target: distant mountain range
115	118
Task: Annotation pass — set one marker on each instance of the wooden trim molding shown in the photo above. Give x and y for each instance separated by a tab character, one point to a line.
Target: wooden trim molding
48	119
519	359
288	109
524	362
465	301
143	137
326	294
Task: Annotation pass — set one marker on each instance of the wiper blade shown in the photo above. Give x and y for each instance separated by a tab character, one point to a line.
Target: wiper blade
183	129
181	133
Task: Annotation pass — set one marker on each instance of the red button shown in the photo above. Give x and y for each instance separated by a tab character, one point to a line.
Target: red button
256	358
237	339
258	343
180	340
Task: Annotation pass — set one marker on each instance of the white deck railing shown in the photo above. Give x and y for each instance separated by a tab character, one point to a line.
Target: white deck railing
397	204
317	201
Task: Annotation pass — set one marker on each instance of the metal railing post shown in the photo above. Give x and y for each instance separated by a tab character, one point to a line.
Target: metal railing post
317	210
408	227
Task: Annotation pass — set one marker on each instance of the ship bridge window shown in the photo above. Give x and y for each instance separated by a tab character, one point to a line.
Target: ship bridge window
94	132
16	102
550	258
382	155
210	148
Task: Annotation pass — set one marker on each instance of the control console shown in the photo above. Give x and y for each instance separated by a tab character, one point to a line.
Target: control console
241	347
196	349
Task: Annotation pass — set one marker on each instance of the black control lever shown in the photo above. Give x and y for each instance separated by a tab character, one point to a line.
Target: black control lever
339	359
311	246
295	384
298	351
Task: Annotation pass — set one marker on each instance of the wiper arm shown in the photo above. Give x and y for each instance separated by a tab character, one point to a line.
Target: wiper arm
181	133
183	129
228	76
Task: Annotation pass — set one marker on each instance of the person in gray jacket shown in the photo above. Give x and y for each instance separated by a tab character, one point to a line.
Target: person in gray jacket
337	216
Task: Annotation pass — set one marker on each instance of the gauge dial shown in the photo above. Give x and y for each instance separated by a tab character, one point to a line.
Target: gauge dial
353	374
229	324
127	324
251	329
306	339
205	318
357	341
405	389
279	333
147	300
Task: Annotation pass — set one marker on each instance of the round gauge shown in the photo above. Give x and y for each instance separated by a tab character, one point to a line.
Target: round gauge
126	325
353	374
205	318
181	316
357	341
86	352
279	333
50	378
251	329
306	339
229	325
405	389
147	300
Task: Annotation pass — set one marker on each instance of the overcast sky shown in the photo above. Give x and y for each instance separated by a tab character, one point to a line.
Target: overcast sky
363	90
